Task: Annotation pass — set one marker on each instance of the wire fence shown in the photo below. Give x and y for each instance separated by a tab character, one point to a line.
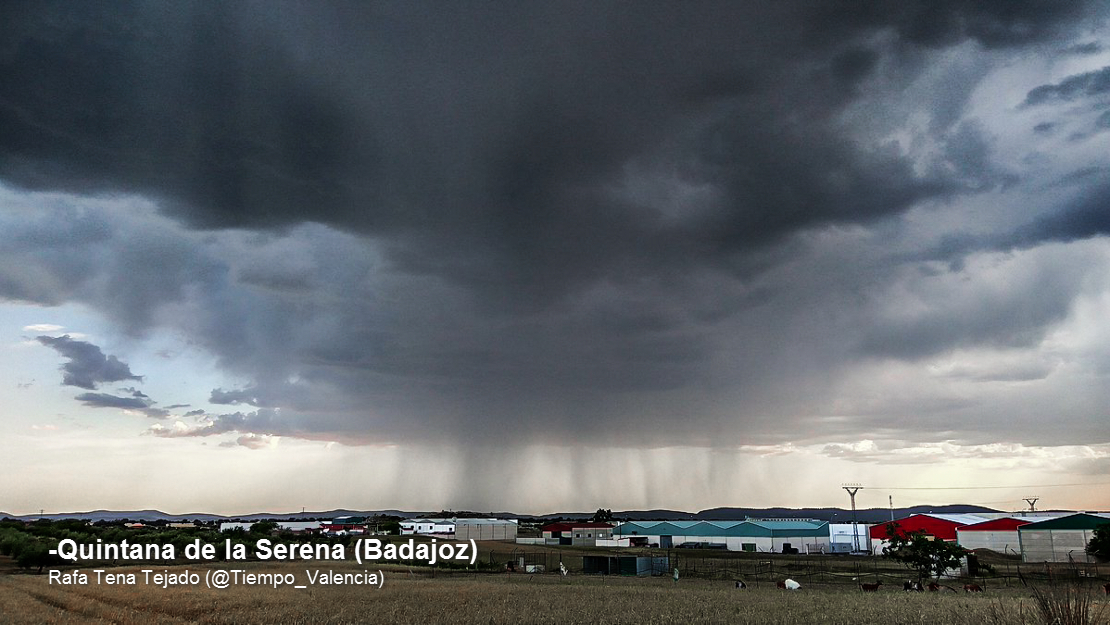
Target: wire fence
849	570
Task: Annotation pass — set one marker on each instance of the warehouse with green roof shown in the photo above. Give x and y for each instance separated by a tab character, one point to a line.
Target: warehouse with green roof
757	535
1062	539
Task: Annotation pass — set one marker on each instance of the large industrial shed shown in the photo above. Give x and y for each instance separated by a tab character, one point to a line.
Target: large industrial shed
999	535
939	526
1063	539
786	535
485	529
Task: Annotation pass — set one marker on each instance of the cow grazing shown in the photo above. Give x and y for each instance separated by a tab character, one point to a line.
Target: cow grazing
1106	588
933	587
788	584
973	588
909	586
740	585
871	587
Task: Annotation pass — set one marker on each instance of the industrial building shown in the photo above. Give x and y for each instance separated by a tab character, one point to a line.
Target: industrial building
428	527
342	525
485	529
757	535
577	533
939	526
297	527
1000	535
1063	539
462	529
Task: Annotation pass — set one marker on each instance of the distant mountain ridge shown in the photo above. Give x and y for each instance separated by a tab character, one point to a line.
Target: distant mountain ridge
840	515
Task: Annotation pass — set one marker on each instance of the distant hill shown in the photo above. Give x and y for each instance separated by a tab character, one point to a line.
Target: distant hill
869	515
158	515
839	515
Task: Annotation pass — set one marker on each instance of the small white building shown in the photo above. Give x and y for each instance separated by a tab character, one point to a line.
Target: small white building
841	541
427	527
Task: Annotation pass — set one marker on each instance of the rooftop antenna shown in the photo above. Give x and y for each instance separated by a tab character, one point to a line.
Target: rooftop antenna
1032	501
852	489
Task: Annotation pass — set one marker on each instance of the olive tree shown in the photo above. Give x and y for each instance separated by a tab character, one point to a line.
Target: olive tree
920	551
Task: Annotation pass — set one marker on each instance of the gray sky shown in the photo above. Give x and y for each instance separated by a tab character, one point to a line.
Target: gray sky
620	256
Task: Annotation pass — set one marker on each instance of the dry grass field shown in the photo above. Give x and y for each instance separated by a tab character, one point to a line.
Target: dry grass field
416	597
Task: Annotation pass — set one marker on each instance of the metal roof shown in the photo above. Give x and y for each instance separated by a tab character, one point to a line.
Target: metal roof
1078	521
994	525
962	519
723	528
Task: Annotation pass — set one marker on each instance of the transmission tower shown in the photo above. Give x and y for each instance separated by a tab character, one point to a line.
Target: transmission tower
852	489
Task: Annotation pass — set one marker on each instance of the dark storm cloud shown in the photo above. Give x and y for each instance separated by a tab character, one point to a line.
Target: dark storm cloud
1086	217
104	400
1090	47
1085	85
480	142
1103	121
87	366
557	222
241	396
136	403
994	23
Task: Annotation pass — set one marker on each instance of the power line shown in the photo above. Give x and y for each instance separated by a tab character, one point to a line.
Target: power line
983	487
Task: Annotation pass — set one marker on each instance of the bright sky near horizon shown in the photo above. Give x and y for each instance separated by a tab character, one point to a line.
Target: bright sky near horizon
261	256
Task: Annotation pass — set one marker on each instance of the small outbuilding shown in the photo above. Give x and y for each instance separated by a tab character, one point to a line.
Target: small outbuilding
626	565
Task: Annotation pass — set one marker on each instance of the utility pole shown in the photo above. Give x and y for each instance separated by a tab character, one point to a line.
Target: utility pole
852	489
890	498
1032	501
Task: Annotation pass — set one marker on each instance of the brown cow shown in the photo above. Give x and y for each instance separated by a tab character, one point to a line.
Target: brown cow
973	588
1106	588
871	587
